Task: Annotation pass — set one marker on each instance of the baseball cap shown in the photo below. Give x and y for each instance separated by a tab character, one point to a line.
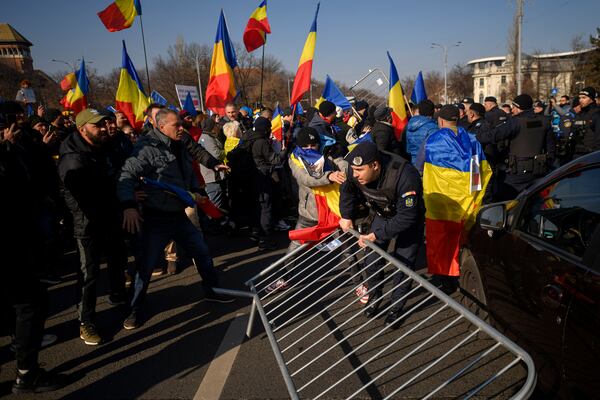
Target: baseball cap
89	116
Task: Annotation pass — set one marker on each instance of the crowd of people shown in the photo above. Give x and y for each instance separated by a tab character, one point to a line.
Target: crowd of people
93	182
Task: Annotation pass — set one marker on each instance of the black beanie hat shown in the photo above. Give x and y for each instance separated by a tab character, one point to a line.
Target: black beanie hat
478	108
327	108
307	136
523	101
589	92
262	125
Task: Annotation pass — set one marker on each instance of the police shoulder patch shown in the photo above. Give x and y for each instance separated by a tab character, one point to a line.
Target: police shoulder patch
409	202
567	123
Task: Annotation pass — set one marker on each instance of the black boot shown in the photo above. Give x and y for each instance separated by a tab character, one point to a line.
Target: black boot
38	380
372	305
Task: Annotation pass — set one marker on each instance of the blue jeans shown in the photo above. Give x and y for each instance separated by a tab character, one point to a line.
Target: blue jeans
158	230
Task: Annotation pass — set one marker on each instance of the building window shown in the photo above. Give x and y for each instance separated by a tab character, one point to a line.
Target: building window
481	97
481	65
503	79
481	82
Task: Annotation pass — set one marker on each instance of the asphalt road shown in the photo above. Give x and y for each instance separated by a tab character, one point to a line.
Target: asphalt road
188	348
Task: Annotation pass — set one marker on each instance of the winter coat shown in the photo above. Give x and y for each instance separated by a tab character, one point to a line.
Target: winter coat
154	157
216	149
89	175
385	138
417	131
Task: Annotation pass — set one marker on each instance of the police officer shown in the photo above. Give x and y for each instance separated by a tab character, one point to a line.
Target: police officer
531	146
391	188
463	121
587	123
494	115
481	128
565	134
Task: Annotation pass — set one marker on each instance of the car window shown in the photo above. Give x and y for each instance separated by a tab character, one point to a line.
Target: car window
565	213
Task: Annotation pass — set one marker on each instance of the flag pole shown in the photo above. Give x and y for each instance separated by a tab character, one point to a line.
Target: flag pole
145	56
262	70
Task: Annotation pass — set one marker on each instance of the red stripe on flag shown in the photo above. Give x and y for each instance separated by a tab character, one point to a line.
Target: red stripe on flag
127	109
328	222
217	93
301	82
113	19
443	245
398	125
254	34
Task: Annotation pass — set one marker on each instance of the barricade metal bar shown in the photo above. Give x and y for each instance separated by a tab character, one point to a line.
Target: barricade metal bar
370	320
315	252
367	342
276	264
339	299
463	370
279	327
320	283
434	363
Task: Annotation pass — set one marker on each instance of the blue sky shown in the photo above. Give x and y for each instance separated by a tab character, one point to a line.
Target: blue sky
352	37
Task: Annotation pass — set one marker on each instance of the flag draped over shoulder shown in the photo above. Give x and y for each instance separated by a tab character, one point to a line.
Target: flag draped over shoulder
221	86
277	124
455	178
418	93
333	94
327	197
76	98
120	14
303	75
131	99
396	101
255	34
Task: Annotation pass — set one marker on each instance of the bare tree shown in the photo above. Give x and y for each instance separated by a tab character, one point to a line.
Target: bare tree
460	82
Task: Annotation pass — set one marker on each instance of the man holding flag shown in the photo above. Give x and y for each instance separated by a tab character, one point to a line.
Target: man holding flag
161	156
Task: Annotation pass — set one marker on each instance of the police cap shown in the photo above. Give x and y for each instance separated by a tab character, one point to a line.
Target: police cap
468	100
589	92
490	98
449	112
364	153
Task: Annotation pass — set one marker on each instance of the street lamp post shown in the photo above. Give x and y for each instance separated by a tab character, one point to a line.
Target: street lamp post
289	94
445	50
199	83
72	65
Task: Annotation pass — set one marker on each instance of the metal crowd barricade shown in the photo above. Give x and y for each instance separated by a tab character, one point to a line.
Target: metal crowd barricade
326	348
372	88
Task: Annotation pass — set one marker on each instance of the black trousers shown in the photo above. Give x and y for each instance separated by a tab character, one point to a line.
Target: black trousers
265	200
91	250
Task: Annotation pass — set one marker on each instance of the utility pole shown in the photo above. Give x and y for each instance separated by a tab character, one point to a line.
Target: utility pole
199	83
519	51
445	50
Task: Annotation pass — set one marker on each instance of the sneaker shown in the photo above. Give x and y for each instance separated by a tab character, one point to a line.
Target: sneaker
38	380
116	299
282	226
362	292
89	334
158	272
171	268
47	340
132	321
266	245
279	284
218	298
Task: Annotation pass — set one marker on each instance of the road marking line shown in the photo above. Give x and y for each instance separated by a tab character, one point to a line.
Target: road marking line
218	371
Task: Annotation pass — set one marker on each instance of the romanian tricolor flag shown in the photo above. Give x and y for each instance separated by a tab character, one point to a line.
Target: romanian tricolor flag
221	88
303	75
69	81
455	178
120	14
333	94
327	197
255	34
76	98
131	99
277	124
396	101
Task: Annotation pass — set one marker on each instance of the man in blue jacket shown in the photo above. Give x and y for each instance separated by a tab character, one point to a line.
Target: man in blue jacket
160	155
418	129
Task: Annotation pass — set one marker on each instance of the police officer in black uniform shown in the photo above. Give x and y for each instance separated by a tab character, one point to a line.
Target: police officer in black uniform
494	115
530	149
463	122
587	123
391	189
565	137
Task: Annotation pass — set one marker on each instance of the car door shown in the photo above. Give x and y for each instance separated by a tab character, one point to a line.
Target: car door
552	235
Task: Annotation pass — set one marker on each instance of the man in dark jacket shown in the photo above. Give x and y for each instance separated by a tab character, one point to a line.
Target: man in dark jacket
587	123
161	156
493	115
89	174
332	139
265	159
383	131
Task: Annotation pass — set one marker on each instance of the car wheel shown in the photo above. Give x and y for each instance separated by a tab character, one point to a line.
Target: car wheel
471	286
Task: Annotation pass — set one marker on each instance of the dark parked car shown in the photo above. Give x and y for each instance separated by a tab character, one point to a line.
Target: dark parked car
534	266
